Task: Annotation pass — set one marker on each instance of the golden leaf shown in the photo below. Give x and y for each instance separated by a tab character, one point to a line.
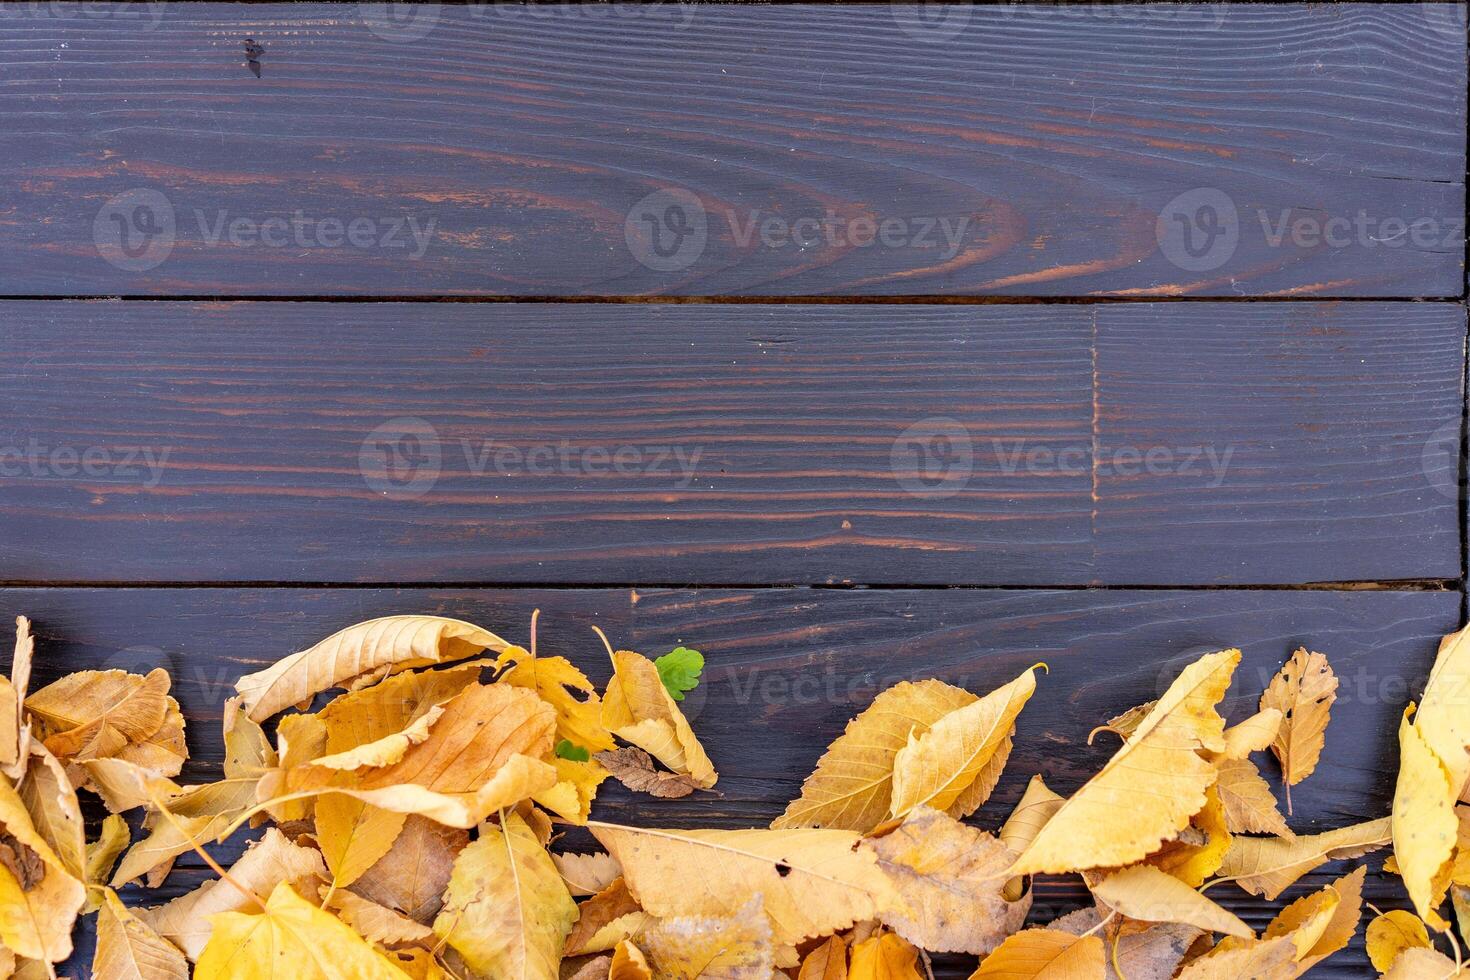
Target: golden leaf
1303	691
1256	734
1036	807
54	810
605	920
1267	866
102	853
95	714
1315	944
587	874
827	962
628	963
576	787
389	645
1425	828
269	862
1151	787
291	939
947	878
412	876
814	882
938	767
1192	861
884	957
852	787
737	947
378	925
506	911
38	907
1044	954
1442	717
1250	806
129	949
1422	964
1393	932
638	709
1297	934
1149	895
566	689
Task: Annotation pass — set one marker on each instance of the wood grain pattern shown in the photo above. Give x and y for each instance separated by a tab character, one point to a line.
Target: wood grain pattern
1055	143
788	667
993	445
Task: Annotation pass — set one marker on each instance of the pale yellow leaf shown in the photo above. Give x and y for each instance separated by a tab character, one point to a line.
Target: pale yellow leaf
129	949
412	876
1423	964
1425	828
576	787
15	731
1044	954
1256	734
735	947
37	913
378	925
1147	894
1303	691
566	689
587	874
947	878
814	882
1036	807
852	787
1294	936
1442	717
884	957
937	767
1250	806
1393	932
1267	866
1151	787
506	911
638	709
54	810
102	853
94	714
391	644
272	860
290	940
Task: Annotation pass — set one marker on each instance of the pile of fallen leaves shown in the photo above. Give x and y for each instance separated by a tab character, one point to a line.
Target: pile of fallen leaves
414	828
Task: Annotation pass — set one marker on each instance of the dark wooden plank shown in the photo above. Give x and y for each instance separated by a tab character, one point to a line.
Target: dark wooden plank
621	444
524	144
788	667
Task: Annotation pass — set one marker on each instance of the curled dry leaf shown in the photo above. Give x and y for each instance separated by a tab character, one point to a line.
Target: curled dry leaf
638	709
629	963
634	768
587	874
1303	691
388	646
1147	894
1151	787
1267	866
1036	807
15	731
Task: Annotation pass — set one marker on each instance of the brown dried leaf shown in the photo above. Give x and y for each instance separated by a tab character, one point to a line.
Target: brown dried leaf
634	769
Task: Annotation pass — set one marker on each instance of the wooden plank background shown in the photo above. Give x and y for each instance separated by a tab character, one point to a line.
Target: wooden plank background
1055	144
931	387
1136	444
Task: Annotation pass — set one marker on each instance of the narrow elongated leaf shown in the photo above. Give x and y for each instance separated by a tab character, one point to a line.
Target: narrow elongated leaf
1303	691
1149	895
1425	828
1267	866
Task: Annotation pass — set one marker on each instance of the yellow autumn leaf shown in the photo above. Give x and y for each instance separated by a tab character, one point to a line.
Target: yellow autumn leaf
1151	787
576	787
884	957
947	879
39	898
604	920
129	949
813	882
1303	691
290	939
112	840
587	874
852	787
1035	808
1192	860
955	764
1256	734
1136	950
1249	805
1147	894
94	714
629	963
1292	937
1423	964
1316	934
1442	716
566	689
506	911
638	709
378	924
1425	828
1393	932
1267	866
54	809
15	731
1045	954
269	862
376	648
827	962
735	947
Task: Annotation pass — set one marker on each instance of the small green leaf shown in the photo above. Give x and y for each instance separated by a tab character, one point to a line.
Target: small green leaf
679	669
575	753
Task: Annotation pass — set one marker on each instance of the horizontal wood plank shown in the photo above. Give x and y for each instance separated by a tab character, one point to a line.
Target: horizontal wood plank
788	667
1128	444
1213	149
